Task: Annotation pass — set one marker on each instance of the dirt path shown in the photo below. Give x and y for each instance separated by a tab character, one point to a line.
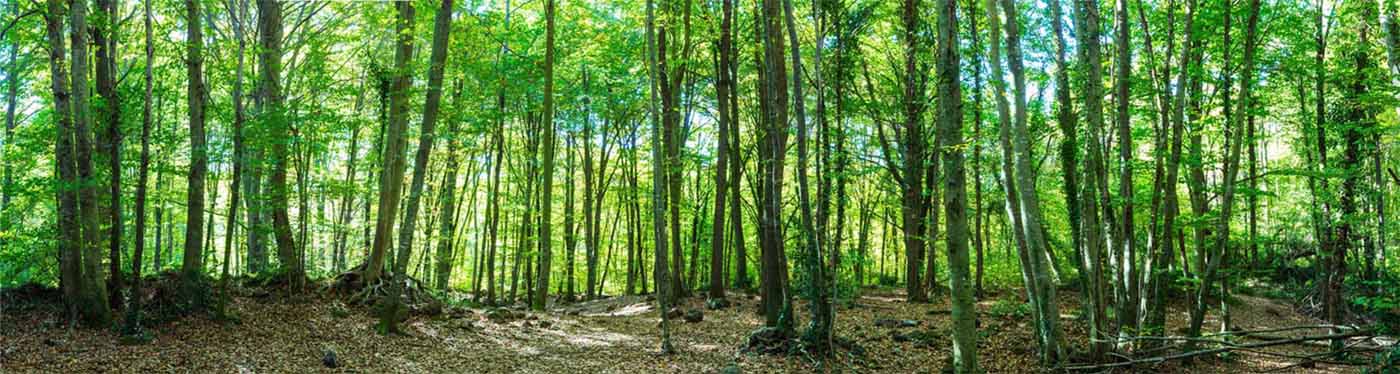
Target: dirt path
612	336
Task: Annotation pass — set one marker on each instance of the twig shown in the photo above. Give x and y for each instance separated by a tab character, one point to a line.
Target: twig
1227	348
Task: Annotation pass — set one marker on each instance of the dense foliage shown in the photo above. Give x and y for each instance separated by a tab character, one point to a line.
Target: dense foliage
550	151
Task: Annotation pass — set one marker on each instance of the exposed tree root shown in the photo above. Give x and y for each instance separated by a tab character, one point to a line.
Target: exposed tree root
352	287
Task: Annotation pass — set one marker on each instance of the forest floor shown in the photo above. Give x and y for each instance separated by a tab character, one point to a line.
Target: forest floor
279	334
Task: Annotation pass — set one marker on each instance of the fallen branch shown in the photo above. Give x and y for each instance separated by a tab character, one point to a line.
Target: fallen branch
1226	348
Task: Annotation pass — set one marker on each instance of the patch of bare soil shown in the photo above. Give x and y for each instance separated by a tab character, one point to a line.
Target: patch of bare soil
277	334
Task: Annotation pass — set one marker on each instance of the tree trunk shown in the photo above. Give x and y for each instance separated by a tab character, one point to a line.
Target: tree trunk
658	185
447	205
777	303
276	121
1234	138
392	159
950	126
1032	220
913	203
79	296
441	34
818	334
133	316
547	171
723	86
1093	224
193	267
1127	258
109	142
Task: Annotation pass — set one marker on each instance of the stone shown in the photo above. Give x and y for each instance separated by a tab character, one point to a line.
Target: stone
694	316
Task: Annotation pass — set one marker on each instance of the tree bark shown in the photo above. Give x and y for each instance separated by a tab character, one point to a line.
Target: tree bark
547	171
658	186
392	159
109	142
950	126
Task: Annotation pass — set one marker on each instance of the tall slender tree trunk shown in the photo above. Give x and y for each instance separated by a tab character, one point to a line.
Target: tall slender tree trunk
133	316
913	203
1127	271
950	126
109	142
447	205
1032	222
78	292
1093	218
658	185
723	86
818	334
96	313
1234	138
547	171
238	16
777	305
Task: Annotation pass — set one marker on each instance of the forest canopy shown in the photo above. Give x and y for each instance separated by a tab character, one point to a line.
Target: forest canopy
1123	175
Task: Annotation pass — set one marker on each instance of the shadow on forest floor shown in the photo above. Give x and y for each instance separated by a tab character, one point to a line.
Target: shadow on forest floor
615	335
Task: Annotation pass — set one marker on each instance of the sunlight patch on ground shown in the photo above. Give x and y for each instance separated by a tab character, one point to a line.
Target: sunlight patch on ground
630	310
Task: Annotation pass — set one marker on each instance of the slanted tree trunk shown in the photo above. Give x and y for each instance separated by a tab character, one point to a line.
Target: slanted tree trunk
818	334
1032	221
238	15
441	33
1155	321
1234	138
392	159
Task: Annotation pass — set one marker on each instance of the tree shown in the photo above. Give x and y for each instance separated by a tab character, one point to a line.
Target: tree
818	334
447	205
392	160
133	316
109	140
772	149
1086	18
723	90
912	147
950	126
1127	285
547	172
1234	137
192	268
658	188
273	118
442	31
82	290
